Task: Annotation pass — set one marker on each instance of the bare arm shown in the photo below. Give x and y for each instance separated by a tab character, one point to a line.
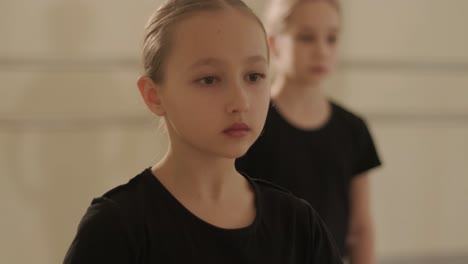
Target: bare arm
361	234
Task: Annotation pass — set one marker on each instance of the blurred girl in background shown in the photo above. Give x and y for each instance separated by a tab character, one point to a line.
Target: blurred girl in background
311	145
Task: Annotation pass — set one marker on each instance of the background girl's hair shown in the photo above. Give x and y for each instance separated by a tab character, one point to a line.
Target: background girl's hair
158	29
279	12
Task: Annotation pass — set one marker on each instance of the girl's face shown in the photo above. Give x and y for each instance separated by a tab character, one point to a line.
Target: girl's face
215	93
306	51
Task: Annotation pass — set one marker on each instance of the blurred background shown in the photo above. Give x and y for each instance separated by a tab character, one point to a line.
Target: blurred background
72	124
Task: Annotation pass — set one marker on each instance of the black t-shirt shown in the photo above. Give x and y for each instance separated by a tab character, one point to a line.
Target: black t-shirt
141	222
316	165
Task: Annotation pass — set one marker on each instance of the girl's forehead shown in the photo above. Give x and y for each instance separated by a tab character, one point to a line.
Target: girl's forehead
203	20
217	34
315	14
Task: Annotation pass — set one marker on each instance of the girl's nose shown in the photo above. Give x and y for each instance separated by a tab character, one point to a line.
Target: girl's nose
238	100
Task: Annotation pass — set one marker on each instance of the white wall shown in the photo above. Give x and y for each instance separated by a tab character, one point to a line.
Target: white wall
72	125
71	121
407	71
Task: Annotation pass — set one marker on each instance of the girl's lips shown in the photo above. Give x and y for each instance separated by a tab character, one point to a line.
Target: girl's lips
319	69
237	130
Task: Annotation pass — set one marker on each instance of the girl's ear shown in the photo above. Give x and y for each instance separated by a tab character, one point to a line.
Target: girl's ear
151	94
273	46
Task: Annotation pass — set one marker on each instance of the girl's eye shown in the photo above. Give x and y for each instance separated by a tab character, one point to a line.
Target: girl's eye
306	38
255	77
332	39
209	80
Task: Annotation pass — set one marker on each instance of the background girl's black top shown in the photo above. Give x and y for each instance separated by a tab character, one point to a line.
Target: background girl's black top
316	164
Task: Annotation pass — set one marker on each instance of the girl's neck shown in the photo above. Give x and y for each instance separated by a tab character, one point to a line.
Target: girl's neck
300	95
210	188
194	176
303	104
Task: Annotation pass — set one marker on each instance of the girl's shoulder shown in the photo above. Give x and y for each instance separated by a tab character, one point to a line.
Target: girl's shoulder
343	111
127	202
266	185
275	197
126	194
347	117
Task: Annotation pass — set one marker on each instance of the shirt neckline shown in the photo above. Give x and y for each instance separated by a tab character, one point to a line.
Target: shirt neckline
171	198
318	129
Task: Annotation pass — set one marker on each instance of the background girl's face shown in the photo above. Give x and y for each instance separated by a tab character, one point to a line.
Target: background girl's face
215	77
306	50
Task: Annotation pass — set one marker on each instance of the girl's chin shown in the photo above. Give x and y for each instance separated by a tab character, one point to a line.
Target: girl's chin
317	77
313	79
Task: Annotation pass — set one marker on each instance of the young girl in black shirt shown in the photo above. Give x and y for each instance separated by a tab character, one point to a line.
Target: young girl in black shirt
206	65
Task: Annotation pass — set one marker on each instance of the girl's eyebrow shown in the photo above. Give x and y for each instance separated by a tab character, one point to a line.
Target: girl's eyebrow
309	28
206	62
256	58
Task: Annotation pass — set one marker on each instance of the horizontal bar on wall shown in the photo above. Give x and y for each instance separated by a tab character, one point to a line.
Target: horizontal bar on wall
74	124
424	118
461	259
90	123
69	65
129	63
399	65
